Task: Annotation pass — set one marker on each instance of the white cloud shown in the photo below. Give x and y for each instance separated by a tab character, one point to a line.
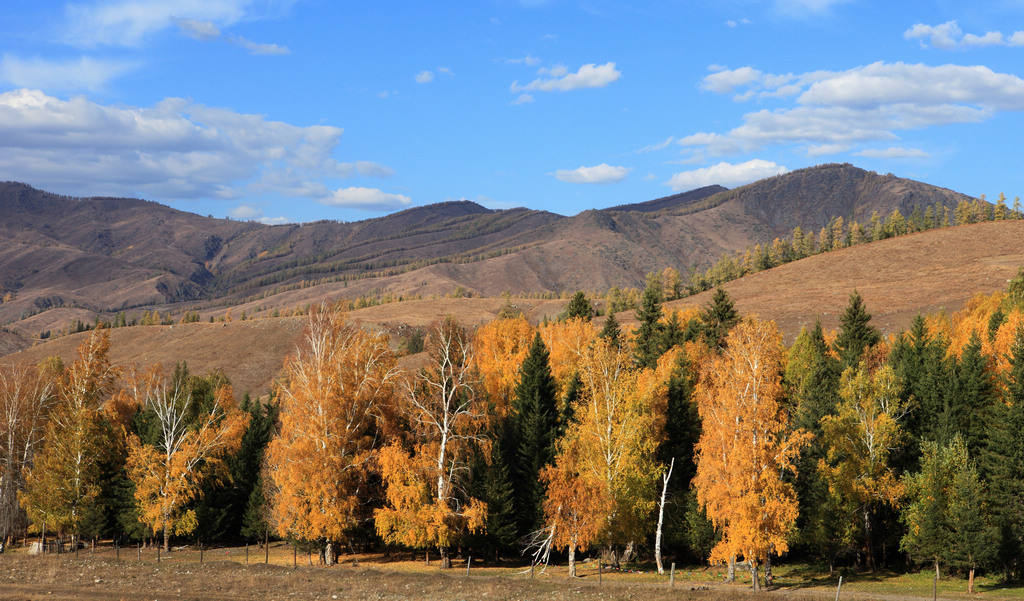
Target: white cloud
257	48
425	77
250	213
735	23
656	147
129	22
245	212
523	99
559	79
82	74
725	174
599	174
369	199
528	60
949	36
803	7
858	105
446	71
200	30
176	149
893	152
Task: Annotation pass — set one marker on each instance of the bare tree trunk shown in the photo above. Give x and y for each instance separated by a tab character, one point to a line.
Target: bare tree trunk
167	539
661	516
446	560
970	582
330	553
732	569
869	548
628	552
753	575
768	577
572	560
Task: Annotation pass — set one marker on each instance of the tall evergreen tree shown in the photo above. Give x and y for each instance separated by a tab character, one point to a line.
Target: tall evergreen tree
611	331
969	400
855	333
717	318
535	423
1007	474
918	358
579	307
649	339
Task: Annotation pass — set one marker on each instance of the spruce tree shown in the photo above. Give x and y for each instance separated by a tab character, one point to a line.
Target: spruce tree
970	400
1007	470
717	318
918	358
855	333
649	336
579	307
535	424
611	331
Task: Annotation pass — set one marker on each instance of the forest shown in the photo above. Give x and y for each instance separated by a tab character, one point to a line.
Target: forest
697	436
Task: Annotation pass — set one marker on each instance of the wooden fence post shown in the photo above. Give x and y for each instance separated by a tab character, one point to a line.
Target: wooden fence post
839	588
469	560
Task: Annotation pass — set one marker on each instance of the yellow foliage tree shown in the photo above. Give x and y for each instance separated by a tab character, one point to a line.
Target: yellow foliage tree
26	395
567	343
616	428
859	439
746	447
427	504
336	400
192	438
63	484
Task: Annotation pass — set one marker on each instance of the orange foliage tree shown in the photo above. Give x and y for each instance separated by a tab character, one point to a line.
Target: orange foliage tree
567	343
577	504
500	347
746	447
192	437
427	504
336	399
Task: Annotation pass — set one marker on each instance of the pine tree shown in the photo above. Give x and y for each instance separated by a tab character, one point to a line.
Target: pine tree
1007	473
648	337
579	307
611	331
535	423
855	333
969	400
717	319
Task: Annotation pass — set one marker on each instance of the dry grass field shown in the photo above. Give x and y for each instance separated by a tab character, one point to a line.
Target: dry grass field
224	575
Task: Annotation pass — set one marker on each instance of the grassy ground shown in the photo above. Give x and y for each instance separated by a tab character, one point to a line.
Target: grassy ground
223	574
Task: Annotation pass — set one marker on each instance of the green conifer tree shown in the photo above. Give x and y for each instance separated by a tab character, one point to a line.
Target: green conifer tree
579	307
649	336
855	333
717	319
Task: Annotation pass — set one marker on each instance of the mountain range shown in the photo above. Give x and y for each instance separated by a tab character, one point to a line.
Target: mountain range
65	258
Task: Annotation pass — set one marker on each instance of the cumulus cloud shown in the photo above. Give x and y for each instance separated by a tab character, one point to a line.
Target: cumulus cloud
368	199
81	74
868	103
893	152
425	77
725	174
175	149
560	79
598	174
523	99
528	60
949	36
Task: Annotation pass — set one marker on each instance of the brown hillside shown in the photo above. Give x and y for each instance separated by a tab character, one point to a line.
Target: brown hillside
65	258
898	278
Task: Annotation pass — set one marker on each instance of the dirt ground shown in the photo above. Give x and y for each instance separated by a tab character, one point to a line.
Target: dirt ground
229	575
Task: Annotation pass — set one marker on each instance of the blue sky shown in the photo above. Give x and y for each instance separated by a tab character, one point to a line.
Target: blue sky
297	110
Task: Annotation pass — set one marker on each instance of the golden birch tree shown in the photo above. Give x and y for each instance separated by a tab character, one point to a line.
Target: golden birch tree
62	485
426	501
577	504
191	439
500	347
746	447
336	399
616	430
26	394
859	439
